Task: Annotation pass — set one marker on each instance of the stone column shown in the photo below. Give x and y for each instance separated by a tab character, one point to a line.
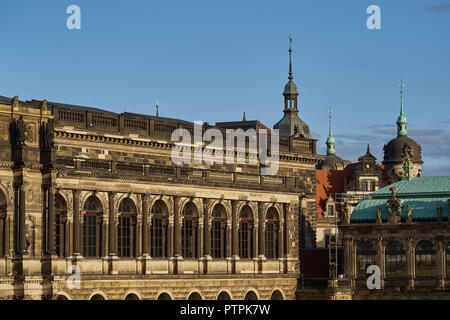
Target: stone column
2	233
112	224
261	231
235	226
199	239
410	263
76	223
281	239
380	259
145	225
177	227
51	219
254	236
441	246
170	236
228	244
20	226
207	224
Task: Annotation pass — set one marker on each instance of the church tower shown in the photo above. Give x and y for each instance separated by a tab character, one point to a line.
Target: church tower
400	148
291	124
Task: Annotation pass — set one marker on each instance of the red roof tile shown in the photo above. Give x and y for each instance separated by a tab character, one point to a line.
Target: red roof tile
329	182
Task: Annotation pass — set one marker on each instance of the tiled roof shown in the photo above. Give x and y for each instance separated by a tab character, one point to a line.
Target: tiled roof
421	194
422	209
422	187
328	182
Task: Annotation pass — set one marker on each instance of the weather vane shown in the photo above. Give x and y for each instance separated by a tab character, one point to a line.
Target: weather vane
401	86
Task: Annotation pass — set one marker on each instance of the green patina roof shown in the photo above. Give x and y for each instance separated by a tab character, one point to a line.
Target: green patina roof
417	187
421	194
422	209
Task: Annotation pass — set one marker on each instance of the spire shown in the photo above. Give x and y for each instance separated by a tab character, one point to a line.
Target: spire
290	90
244	118
401	120
290	60
368	148
157	108
330	141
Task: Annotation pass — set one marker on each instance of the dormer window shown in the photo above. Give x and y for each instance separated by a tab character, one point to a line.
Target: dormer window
330	207
330	210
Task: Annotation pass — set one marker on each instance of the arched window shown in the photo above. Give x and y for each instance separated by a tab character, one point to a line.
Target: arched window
195	296
251	295
164	296
60	224
276	295
395	260
365	187
223	296
189	231
218	232
131	296
3	211
447	259
245	233
425	259
158	230
365	256
97	297
92	219
126	229
271	236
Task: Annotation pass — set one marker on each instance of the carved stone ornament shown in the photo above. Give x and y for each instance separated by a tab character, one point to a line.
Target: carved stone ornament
409	214
48	131
379	215
346	213
394	205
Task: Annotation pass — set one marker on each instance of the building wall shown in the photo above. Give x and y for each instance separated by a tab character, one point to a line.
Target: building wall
95	154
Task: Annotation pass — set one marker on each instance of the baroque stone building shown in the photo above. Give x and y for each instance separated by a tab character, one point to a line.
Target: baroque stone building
404	230
97	193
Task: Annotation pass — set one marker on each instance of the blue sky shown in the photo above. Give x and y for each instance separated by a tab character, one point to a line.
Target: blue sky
213	60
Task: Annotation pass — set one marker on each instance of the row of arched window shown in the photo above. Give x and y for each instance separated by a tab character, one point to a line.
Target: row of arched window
223	295
158	233
395	259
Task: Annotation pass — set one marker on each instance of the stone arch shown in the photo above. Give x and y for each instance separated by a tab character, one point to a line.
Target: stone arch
277	294
131	201
194	295
164	295
185	202
95	195
165	199
252	205
224	295
98	295
156	200
251	294
425	238
4	196
132	295
132	197
268	207
62	296
224	203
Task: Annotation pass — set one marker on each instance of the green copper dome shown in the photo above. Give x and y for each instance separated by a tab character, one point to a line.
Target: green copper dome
290	89
291	124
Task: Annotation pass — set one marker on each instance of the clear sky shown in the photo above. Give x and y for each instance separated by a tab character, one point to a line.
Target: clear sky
212	60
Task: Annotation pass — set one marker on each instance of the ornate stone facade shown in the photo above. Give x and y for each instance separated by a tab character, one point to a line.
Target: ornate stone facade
97	190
